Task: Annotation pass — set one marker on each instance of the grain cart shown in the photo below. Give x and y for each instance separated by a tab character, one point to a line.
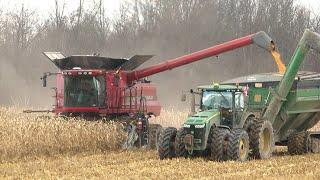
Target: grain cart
279	109
101	87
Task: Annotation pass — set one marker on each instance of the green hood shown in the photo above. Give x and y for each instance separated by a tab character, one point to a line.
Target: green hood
203	117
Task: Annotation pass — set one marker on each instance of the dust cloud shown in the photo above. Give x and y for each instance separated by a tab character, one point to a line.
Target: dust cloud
166	29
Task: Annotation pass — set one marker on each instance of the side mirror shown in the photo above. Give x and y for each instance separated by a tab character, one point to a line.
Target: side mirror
183	97
44	80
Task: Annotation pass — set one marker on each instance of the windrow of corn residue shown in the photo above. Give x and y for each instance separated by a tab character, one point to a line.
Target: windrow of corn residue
27	135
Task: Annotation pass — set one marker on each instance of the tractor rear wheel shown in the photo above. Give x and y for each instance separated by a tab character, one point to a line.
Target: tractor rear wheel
298	143
166	143
154	133
219	139
238	145
180	148
261	139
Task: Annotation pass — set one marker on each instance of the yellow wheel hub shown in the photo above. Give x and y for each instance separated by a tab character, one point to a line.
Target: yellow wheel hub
266	140
243	148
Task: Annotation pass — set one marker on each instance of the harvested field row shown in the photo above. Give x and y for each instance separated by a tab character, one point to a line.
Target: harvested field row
146	165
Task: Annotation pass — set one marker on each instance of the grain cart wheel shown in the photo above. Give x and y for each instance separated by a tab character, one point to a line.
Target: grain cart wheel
248	124
219	139
298	143
179	144
261	139
154	133
238	145
315	144
166	143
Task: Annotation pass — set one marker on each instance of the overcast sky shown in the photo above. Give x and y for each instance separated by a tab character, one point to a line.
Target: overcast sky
46	6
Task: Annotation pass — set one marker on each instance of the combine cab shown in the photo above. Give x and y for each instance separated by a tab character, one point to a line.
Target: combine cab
93	86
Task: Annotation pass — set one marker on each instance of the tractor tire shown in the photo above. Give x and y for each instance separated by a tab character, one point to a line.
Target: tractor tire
248	124
219	137
166	149
261	139
154	134
238	145
179	144
298	143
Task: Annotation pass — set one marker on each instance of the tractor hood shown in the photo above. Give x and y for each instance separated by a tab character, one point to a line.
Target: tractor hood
203	117
96	62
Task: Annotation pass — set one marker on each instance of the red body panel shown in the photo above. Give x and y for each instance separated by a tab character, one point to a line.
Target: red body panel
187	59
124	95
60	91
120	98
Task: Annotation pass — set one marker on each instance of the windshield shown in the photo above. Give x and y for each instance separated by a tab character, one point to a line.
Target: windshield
215	100
84	91
239	100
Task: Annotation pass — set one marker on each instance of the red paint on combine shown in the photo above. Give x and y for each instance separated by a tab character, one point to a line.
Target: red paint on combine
125	91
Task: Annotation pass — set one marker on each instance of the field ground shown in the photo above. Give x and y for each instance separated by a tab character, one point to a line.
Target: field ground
145	165
42	147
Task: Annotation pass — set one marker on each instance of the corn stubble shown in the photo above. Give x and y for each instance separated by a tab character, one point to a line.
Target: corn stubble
81	149
28	135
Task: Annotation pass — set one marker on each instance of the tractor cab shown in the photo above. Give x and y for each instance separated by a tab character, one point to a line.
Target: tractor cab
220	106
226	99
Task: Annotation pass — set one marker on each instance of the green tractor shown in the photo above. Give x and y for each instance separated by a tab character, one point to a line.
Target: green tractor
214	131
247	116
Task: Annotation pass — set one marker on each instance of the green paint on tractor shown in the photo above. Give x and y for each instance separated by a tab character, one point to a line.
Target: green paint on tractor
255	112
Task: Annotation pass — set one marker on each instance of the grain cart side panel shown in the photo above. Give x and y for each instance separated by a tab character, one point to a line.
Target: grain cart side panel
309	40
303	110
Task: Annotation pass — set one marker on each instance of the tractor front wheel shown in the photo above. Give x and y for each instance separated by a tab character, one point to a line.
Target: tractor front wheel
261	139
180	148
166	144
238	145
219	139
154	134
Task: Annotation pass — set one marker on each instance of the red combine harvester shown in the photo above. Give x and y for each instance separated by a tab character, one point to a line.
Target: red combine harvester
101	87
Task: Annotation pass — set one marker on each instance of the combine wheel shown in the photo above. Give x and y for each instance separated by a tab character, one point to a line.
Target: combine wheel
179	144
299	143
261	139
219	139
154	133
166	143
238	145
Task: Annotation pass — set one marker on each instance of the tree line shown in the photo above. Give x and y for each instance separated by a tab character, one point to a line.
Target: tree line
163	28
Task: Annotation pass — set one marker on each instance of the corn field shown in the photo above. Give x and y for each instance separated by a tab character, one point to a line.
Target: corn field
25	135
44	146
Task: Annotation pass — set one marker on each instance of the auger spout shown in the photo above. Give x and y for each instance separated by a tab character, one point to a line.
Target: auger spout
261	39
309	40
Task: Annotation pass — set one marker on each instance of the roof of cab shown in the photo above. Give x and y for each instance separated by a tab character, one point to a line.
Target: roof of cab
220	87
